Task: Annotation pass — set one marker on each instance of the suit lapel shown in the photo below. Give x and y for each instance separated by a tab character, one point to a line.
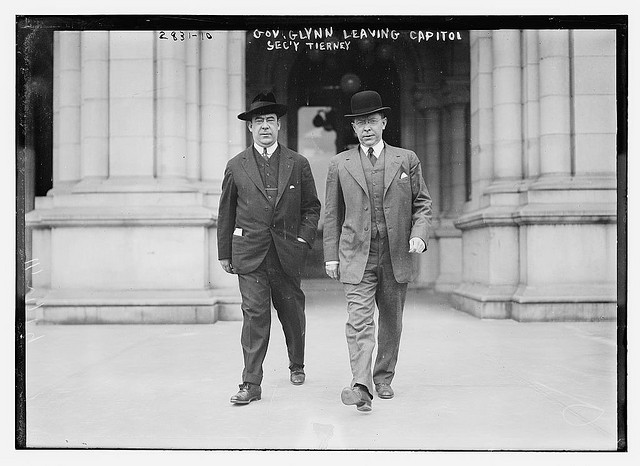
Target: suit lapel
284	171
251	167
354	167
391	166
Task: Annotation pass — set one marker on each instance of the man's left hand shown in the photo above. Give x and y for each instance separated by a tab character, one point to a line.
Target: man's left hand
416	245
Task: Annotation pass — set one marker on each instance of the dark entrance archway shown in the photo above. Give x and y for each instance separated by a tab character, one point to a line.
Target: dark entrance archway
320	87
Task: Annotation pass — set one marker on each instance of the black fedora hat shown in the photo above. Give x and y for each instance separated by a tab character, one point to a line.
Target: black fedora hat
263	104
364	103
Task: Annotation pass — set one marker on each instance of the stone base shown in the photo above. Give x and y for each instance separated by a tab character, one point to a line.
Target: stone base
563	312
127	307
490	303
482	308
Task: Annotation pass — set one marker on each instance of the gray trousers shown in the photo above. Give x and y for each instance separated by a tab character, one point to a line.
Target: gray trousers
378	287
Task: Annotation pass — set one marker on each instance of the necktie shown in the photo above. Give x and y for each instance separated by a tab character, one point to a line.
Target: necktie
372	157
265	155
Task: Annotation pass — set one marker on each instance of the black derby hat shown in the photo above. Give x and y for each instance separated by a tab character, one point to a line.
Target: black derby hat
365	103
263	104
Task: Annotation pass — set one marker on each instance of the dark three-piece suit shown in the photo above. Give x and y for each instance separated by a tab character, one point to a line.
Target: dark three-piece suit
265	206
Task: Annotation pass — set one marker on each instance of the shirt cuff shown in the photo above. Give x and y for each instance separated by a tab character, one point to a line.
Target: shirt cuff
332	263
421	240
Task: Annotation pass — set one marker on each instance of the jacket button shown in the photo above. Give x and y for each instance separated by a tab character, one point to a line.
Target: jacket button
366	208
366	228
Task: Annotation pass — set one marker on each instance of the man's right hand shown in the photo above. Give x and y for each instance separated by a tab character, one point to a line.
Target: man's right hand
333	270
226	265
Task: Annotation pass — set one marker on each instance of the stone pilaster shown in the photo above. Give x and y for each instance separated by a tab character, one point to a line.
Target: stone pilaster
481	111
427	103
131	104
192	77
555	103
237	80
531	109
567	216
456	99
94	89
214	113
489	235
539	240
135	247
67	167
171	120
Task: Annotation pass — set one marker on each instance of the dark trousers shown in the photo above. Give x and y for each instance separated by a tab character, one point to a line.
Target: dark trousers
268	283
378	287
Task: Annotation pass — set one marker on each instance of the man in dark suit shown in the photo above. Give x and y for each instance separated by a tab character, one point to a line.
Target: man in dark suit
267	221
378	213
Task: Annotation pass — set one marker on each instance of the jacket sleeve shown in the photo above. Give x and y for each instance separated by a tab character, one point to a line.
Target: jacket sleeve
421	202
227	214
309	205
333	213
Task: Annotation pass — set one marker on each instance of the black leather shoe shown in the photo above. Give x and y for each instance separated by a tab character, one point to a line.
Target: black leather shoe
384	390
297	376
356	396
248	392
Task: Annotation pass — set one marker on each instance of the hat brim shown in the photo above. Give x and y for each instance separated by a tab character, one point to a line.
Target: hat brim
368	112
278	109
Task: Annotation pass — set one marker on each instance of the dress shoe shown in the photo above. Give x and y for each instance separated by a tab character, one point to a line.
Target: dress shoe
356	396
384	390
248	392
297	376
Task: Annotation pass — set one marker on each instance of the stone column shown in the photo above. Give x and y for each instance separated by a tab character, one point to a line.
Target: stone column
67	167
131	104
237	80
490	261
446	180
555	99
507	109
531	114
594	106
136	247
94	86
481	110
214	113
453	142
456	97
427	103
171	110
193	109
567	217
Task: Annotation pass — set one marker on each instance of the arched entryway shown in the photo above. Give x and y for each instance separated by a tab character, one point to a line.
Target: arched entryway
426	86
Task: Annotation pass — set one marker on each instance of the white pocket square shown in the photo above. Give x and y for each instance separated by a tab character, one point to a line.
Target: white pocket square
404	175
291	187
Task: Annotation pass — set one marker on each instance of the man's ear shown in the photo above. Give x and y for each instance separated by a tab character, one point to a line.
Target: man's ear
249	125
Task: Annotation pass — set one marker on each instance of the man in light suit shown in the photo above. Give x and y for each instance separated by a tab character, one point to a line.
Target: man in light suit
267	221
378	213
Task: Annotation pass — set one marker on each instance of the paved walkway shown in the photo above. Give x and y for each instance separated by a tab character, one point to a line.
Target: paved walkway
461	384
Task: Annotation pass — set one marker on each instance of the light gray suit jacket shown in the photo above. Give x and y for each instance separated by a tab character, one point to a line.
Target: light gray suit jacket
347	224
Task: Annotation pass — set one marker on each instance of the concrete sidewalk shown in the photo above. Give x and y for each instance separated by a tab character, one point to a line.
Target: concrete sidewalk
461	384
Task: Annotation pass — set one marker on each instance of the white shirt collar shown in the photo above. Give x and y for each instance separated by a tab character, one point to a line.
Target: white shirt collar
377	149
270	150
